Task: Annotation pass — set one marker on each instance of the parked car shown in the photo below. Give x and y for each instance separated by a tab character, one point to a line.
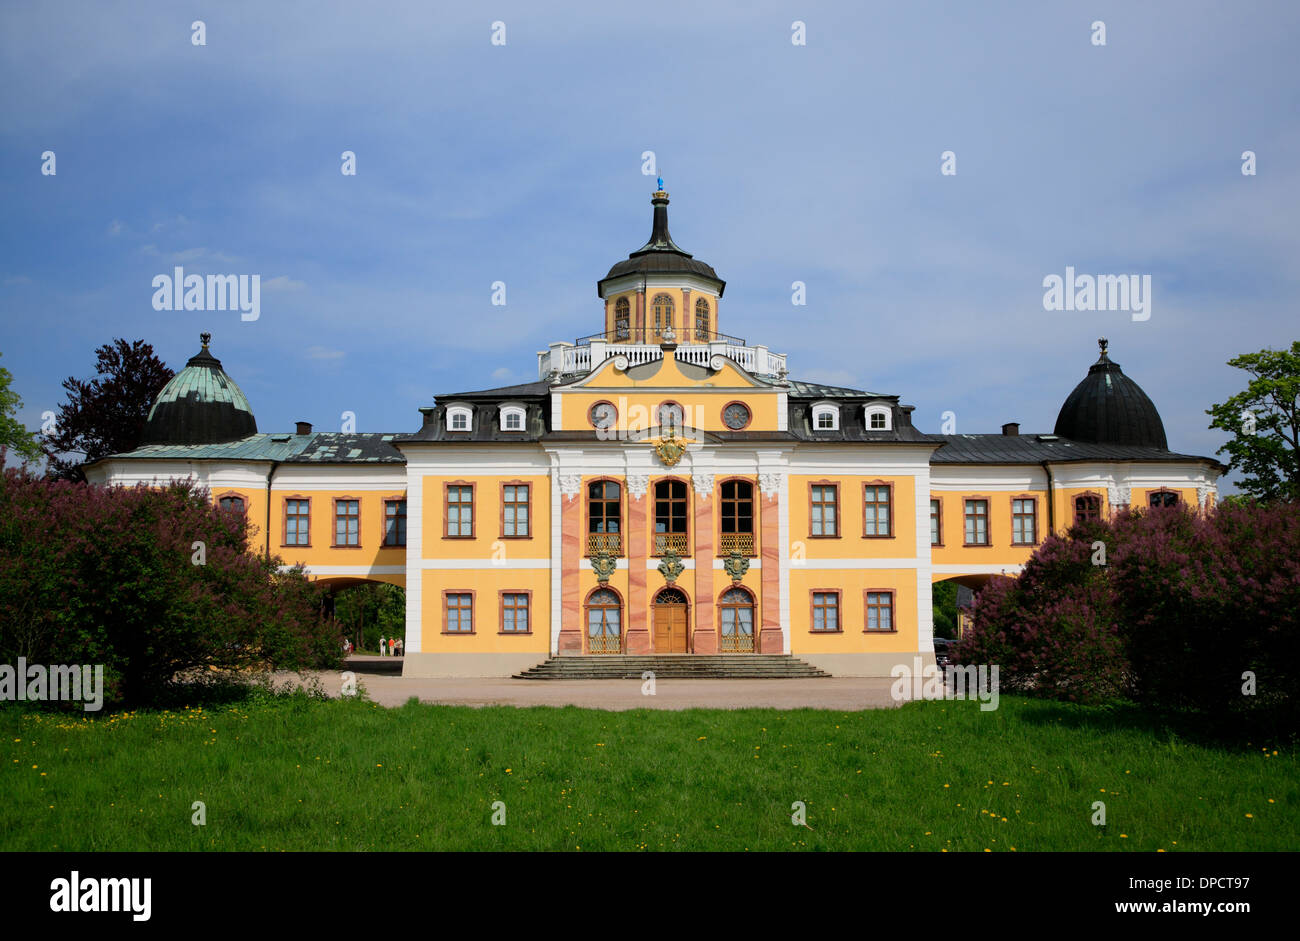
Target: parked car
942	646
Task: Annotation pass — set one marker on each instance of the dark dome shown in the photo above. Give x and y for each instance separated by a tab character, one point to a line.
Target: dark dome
200	405
1108	407
661	255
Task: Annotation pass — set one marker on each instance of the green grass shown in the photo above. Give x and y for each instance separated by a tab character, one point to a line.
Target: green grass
296	773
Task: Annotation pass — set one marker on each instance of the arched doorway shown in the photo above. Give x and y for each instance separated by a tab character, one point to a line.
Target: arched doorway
670	620
604	621
736	620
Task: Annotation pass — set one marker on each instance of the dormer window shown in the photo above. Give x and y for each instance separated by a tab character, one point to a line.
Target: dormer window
879	417
512	418
825	418
459	418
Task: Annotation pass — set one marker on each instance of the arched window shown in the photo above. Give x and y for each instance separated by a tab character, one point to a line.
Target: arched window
663	313
1162	497
604	622
604	513
622	319
1087	507
877	417
702	330
825	418
670	517
232	503
736	615
458	418
512	418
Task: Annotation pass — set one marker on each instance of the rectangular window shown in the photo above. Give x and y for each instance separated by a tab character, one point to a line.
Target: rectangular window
880	610
877	513
514	612
736	509
825	509
1086	508
460	511
825	610
297	530
394	522
235	504
977	522
347	522
514	510
1024	522
671	518
460	613
936	530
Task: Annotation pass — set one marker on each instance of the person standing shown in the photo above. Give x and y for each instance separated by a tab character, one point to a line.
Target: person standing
381	647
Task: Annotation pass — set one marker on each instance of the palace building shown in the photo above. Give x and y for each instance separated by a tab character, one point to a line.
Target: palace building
663	487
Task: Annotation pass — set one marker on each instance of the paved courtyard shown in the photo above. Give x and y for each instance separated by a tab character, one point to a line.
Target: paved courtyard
838	693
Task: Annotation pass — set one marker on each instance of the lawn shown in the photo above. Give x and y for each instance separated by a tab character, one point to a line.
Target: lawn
294	773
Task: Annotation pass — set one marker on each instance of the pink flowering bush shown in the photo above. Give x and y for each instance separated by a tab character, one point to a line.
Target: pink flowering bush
92	575
1189	612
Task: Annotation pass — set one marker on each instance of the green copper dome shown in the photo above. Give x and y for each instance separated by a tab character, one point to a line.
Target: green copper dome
200	405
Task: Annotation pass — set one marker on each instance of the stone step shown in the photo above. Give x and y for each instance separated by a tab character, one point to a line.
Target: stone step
672	666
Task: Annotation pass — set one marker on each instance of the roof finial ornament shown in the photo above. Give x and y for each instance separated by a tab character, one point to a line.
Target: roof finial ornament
205	338
1103	343
661	183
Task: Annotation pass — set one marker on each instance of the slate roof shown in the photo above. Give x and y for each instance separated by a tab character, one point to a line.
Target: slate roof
1030	449
319	447
815	390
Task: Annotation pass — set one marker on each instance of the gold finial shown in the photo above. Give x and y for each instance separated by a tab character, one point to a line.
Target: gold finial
205	338
1103	343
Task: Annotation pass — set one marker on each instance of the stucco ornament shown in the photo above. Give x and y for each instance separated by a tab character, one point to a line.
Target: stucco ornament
671	566
670	449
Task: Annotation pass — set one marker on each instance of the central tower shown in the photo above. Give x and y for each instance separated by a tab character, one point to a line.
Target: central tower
660	286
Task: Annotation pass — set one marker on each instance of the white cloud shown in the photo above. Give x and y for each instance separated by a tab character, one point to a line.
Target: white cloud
320	352
282	283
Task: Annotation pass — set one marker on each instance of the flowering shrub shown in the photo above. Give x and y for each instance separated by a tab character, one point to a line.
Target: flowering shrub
108	575
1187	611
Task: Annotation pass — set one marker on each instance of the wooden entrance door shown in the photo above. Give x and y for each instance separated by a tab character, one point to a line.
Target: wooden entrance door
670	635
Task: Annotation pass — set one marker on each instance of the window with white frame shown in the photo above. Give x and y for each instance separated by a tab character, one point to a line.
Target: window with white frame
825	418
459	418
878	417
512	418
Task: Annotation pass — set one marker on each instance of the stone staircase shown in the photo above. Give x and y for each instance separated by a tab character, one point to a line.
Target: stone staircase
744	666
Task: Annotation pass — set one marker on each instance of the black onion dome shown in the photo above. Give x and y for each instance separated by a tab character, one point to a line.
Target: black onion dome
661	255
200	405
1108	407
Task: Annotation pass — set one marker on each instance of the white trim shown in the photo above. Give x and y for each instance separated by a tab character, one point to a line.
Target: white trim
556	548
487	565
414	572
885	410
825	408
454	411
329	570
861	564
981	569
509	411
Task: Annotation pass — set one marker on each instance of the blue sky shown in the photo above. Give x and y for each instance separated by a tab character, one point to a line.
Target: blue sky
522	163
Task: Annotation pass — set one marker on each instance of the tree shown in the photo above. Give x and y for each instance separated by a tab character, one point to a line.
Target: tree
156	584
944	597
1264	421
106	415
13	434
